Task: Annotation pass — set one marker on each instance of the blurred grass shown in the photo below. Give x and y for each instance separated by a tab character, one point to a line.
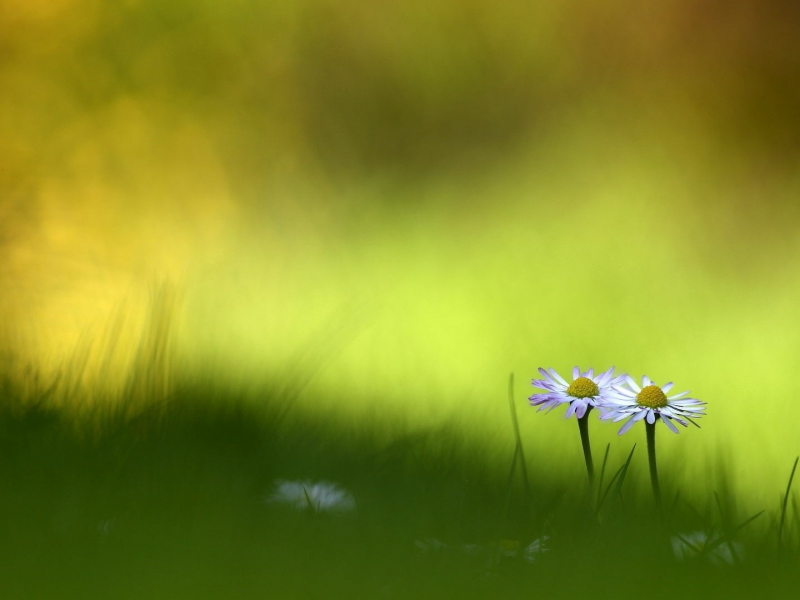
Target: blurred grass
169	499
380	211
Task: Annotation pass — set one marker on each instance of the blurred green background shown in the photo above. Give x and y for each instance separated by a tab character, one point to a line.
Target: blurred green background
390	206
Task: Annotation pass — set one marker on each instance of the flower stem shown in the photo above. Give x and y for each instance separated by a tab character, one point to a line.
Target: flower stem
651	455
583	427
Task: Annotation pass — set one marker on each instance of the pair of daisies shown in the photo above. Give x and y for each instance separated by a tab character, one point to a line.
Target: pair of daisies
617	398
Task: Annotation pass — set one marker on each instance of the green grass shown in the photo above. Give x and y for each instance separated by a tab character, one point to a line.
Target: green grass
364	219
167	499
410	202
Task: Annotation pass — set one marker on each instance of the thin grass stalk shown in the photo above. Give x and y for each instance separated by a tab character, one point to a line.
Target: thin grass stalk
602	475
619	478
785	503
518	452
510	483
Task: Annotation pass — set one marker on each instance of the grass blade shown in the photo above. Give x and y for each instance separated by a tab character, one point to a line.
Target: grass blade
673	507
729	536
515	424
311	507
510	482
619	475
621	480
602	474
785	502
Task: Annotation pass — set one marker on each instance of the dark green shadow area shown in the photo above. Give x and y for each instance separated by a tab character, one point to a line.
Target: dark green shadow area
173	500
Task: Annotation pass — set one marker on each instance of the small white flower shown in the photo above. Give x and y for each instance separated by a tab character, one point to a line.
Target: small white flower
535	548
586	390
106	526
503	550
321	496
698	543
650	402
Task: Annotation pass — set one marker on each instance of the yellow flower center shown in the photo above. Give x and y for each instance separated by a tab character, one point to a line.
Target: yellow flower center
583	387
651	396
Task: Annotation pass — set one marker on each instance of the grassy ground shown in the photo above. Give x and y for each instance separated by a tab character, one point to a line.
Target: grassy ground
365	215
172	501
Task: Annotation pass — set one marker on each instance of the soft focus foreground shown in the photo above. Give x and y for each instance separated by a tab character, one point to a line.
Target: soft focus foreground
205	498
380	211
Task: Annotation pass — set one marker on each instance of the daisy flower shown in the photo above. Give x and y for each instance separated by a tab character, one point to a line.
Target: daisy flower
535	548
586	391
698	543
319	496
650	402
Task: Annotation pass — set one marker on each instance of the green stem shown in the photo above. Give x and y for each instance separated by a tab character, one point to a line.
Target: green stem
583	427
651	455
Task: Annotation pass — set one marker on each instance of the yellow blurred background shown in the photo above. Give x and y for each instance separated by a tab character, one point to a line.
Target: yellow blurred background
399	203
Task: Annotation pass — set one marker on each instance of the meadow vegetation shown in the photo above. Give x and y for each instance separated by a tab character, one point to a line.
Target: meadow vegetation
179	496
266	267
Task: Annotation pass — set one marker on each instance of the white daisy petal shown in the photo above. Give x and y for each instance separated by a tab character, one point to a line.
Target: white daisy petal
609	399
689	402
545	374
616	399
603	379
622	391
668	422
634	386
667	387
646	381
690	408
651	417
576	372
558	377
626	427
582	408
542	384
